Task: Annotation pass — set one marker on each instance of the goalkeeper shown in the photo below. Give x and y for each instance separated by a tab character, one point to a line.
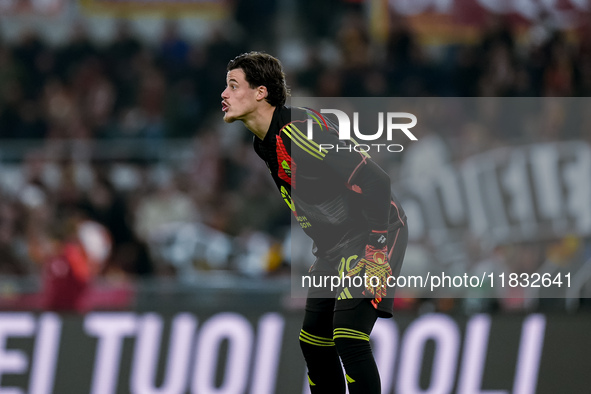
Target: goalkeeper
342	200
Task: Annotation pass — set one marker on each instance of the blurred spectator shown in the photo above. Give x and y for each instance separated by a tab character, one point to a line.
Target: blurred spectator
257	19
163	206
207	170
75	52
12	254
128	255
79	250
119	57
34	62
174	51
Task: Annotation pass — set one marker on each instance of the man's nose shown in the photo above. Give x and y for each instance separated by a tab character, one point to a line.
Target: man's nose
224	93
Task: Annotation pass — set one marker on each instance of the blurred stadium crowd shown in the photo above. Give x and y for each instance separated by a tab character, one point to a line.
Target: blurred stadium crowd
120	146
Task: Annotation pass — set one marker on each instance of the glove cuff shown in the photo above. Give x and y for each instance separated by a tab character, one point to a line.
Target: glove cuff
378	239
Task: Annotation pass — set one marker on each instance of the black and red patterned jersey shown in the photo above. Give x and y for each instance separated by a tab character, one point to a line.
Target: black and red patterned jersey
335	195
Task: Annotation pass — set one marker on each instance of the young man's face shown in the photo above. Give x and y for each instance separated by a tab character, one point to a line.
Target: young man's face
239	99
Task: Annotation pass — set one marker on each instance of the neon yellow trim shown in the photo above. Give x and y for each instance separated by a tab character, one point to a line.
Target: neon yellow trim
349	333
310	381
342	296
311	143
317	155
329	342
349	379
287	198
352	334
302	139
286	167
336	336
316	344
315	340
310	113
315	336
348	293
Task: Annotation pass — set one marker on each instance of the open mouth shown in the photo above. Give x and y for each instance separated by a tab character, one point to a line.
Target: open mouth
224	106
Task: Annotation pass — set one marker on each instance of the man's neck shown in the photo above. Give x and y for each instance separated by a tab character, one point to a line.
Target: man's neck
260	121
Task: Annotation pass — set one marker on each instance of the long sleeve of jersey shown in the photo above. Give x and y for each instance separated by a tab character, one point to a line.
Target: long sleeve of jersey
375	187
325	153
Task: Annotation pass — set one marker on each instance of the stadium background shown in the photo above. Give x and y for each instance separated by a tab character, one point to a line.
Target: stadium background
111	138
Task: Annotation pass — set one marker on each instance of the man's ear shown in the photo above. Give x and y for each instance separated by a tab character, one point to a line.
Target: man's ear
262	93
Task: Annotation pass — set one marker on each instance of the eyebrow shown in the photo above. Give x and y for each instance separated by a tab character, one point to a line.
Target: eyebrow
232	80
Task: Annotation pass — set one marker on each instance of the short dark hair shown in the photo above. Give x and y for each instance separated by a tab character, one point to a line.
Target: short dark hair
262	69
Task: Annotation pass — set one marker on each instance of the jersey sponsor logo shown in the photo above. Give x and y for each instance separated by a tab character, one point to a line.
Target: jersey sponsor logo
287	198
302	220
284	162
286	168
